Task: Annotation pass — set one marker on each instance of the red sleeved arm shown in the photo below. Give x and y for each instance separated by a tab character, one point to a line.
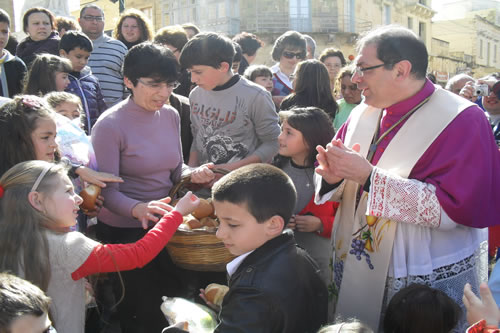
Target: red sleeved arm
122	257
325	212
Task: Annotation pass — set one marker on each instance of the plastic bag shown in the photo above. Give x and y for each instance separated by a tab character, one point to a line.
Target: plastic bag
200	318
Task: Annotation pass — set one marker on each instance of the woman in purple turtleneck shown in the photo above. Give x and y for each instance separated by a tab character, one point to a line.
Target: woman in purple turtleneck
139	140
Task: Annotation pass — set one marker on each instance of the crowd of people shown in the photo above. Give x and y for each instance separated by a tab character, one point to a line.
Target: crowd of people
358	196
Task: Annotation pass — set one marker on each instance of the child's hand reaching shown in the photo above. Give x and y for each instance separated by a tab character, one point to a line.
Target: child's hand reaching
481	308
187	203
307	223
210	304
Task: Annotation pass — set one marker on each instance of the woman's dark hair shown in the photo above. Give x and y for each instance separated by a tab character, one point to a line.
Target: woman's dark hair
291	40
143	22
332	52
419	308
150	60
173	35
249	43
66	23
316	128
38	10
41	77
312	88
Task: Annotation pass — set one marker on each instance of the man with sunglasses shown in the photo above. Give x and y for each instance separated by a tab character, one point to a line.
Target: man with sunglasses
415	168
107	56
288	50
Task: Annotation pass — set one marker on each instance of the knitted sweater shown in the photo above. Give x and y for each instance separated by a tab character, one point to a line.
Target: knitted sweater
74	256
233	123
144	148
106	62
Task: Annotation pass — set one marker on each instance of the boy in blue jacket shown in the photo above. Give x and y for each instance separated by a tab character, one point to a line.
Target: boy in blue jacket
274	286
77	47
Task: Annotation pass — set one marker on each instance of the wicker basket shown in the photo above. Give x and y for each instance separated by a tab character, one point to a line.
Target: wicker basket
198	249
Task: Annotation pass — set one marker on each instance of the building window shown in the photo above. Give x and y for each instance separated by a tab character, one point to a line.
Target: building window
480	49
387	14
410	23
148	11
300	15
421	31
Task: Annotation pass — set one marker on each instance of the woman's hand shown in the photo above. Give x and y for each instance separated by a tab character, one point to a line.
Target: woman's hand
149	211
481	308
96	177
187	203
99	202
203	174
307	223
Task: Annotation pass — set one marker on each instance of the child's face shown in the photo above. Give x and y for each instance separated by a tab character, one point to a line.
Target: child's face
238	229
208	77
31	324
79	58
62	204
44	139
292	144
62	81
4	35
235	66
265	81
39	27
68	109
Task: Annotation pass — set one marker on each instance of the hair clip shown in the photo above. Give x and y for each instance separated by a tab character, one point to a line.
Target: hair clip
2	191
31	101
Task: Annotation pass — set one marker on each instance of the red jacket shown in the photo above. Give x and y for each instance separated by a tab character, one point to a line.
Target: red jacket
325	212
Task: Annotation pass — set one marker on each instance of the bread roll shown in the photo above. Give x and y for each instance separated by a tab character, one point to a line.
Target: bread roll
209	222
204	209
89	196
215	293
192	222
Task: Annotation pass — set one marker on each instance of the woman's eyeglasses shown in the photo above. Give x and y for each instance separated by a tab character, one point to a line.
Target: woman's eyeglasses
290	55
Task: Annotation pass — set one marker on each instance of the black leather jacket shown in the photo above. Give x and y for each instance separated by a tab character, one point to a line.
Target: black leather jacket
275	289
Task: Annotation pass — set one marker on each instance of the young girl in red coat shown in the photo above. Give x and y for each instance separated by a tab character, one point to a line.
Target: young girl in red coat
302	129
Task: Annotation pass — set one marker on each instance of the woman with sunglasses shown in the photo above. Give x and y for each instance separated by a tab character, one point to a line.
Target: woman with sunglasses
288	50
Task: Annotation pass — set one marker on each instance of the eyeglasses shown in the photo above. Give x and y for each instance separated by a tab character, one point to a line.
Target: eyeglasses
361	71
159	85
290	55
93	18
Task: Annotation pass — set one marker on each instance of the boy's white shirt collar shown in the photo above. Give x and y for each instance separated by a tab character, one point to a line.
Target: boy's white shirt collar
233	265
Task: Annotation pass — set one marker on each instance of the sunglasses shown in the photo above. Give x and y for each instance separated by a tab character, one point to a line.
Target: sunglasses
290	55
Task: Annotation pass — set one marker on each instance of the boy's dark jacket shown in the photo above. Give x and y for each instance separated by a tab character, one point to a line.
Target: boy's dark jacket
275	289
86	86
15	70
